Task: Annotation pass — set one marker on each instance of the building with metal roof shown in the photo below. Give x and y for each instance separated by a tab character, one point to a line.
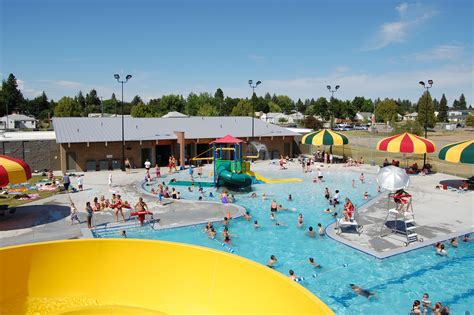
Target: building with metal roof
88	144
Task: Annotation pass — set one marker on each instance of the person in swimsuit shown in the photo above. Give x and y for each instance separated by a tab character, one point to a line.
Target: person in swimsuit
362	292
313	263
247	216
300	220
310	232
141	206
348	210
320	229
118	205
327	194
272	261
256	225
274	206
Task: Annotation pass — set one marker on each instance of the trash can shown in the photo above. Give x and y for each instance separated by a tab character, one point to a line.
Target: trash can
372	163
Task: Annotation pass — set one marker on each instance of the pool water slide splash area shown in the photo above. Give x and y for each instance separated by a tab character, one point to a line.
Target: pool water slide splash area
124	276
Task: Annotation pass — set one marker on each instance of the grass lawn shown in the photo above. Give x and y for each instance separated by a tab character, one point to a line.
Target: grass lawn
12	202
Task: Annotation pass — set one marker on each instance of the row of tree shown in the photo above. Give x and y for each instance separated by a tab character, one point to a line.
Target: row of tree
206	104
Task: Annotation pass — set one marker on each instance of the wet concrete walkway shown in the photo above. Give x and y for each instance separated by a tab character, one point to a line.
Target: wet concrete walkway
49	219
439	215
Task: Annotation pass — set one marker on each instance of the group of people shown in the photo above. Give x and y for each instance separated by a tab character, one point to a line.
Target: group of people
354	162
425	306
323	156
163	191
441	250
115	203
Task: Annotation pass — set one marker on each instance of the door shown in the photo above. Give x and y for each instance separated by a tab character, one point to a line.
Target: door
286	148
146	155
71	164
163	153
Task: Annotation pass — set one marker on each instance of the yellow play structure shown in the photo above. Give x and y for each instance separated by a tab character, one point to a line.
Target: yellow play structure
121	276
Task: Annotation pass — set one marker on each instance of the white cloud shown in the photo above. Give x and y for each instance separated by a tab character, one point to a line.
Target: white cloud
256	58
410	15
442	52
67	84
27	92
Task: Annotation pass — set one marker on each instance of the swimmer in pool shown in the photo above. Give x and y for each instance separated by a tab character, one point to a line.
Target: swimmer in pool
247	216
124	234
256	225
313	263
272	216
292	275
441	251
274	206
212	233
320	229
366	195
328	210
361	292
300	220
226	221
310	232
454	242
264	196
290	198
272	261
253	195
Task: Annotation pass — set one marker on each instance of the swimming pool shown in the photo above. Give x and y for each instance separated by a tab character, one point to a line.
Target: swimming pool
397	280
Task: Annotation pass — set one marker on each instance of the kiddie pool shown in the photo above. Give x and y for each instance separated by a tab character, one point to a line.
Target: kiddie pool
123	276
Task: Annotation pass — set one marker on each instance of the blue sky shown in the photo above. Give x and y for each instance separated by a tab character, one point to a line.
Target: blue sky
371	48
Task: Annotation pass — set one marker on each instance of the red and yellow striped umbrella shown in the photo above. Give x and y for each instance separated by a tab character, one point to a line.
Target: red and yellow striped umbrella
13	171
406	143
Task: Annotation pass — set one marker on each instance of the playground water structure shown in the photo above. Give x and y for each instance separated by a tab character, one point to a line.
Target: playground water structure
397	281
81	277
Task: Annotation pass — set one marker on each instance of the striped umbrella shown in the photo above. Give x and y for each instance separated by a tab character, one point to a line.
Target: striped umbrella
324	137
13	171
406	143
459	152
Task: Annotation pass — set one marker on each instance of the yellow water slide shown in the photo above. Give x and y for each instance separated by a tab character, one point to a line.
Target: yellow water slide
120	276
273	180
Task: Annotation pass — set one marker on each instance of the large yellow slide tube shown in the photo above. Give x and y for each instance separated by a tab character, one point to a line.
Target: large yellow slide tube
120	276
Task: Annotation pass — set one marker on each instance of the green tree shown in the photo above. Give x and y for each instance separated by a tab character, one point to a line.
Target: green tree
321	108
141	110
172	103
136	100
386	111
443	109
404	106
462	102
219	100
358	103
470	121
92	103
368	106
426	115
273	107
228	106
312	123
243	108
436	105
39	107
456	104
67	107
11	95
201	105
208	109
285	103
300	106
81	102
408	126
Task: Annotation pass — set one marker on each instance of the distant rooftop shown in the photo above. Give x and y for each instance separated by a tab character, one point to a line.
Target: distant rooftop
101	129
27	136
174	115
17	117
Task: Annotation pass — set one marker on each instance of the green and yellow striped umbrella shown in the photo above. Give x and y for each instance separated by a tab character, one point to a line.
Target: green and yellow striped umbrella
459	152
324	137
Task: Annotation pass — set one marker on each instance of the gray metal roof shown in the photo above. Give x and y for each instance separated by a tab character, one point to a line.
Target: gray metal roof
101	129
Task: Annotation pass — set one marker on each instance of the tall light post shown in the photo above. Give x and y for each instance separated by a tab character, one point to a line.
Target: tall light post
332	96
253	86
128	77
426	87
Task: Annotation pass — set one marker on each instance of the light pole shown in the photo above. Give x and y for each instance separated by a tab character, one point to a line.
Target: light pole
128	77
253	86
332	96
426	87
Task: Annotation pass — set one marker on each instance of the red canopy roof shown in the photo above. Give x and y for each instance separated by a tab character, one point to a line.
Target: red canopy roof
228	139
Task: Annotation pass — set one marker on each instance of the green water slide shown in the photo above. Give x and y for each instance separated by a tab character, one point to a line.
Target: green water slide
226	176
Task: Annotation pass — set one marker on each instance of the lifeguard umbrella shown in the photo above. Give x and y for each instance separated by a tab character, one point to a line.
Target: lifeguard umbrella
393	178
324	137
459	152
13	171
406	143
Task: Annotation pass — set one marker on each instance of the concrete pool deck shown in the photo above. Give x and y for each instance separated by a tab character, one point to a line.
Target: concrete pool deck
439	216
49	219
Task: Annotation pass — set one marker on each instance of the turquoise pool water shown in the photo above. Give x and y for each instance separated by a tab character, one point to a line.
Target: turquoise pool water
397	281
